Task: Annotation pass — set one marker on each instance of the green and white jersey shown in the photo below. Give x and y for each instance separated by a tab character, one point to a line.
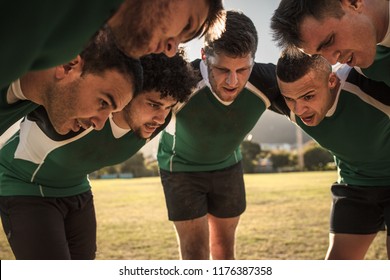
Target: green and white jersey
380	69
356	130
47	33
12	110
205	133
36	161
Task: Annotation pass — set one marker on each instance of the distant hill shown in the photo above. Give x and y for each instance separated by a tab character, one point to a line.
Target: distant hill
275	128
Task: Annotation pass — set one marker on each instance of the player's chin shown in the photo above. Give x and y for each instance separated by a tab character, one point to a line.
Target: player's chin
144	134
63	130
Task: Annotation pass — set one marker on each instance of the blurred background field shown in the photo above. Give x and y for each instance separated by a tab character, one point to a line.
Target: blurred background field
286	219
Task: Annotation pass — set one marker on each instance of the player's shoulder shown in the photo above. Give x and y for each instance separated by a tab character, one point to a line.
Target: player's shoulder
263	76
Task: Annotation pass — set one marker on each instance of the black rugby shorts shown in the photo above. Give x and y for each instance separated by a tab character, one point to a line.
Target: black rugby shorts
359	210
191	195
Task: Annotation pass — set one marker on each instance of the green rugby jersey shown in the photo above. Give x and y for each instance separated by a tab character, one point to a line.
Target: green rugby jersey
38	162
356	130
205	133
380	69
42	34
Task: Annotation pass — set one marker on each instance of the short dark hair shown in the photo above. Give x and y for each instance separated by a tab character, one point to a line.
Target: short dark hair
102	54
173	76
293	64
288	17
237	40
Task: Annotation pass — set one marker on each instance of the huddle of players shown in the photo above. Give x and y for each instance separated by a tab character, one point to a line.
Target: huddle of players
342	109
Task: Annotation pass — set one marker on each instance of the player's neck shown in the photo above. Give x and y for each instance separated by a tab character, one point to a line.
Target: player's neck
379	12
334	91
33	85
120	119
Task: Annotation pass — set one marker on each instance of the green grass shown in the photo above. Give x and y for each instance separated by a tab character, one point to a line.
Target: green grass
286	218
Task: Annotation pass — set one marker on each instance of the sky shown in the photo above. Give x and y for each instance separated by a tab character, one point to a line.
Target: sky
260	12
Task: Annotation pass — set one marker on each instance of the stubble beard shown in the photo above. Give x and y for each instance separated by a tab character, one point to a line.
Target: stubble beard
59	108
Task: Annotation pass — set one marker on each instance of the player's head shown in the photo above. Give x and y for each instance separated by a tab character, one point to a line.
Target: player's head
306	83
167	81
230	57
340	30
84	91
159	26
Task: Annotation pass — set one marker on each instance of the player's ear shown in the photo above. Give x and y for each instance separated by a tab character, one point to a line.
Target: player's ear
353	4
75	65
333	80
203	55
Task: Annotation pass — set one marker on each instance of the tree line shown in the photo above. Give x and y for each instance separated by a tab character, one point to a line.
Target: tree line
315	158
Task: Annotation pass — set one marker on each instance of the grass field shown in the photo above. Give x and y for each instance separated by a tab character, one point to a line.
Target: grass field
286	218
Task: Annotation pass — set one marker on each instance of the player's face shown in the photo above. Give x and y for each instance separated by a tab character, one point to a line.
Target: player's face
146	112
310	97
81	102
157	26
351	39
183	21
228	75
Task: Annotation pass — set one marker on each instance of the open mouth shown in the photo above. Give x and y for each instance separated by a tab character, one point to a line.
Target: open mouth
81	124
230	90
151	127
307	119
76	126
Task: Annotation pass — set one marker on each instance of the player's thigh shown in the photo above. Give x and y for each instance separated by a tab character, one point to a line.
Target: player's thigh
348	246
185	194
194	229
222	237
193	237
34	227
222	230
